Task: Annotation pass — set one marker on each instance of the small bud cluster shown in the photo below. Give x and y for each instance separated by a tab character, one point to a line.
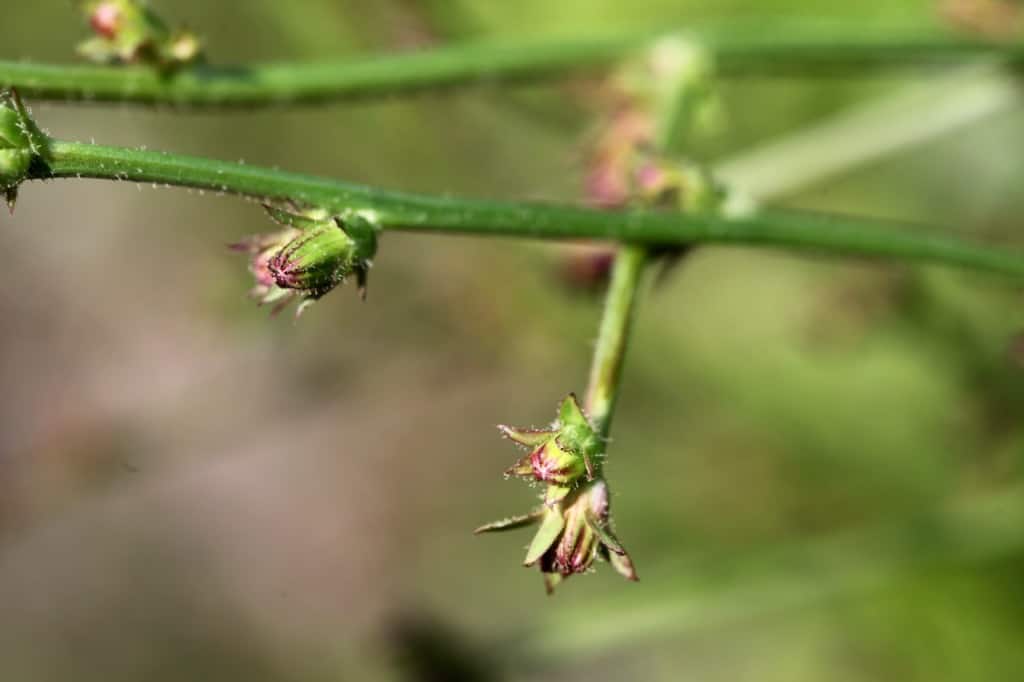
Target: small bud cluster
312	254
21	145
575	526
128	31
670	84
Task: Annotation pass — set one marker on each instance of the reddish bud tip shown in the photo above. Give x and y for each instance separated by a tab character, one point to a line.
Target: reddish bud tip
106	20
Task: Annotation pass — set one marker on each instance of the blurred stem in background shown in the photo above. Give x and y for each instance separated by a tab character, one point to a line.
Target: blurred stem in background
869	132
421	213
805	47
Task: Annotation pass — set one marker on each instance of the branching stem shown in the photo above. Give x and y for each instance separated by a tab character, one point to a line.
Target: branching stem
828	235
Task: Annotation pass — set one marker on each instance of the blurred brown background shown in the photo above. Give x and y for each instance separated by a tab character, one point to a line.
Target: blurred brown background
816	463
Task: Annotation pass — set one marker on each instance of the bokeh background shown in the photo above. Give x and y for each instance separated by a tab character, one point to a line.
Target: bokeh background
817	464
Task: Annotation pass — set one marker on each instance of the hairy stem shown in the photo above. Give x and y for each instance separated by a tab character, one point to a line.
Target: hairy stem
421	213
613	338
803	47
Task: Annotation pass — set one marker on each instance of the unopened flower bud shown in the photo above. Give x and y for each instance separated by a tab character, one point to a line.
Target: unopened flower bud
572	534
586	267
105	19
128	31
261	249
549	463
560	455
309	257
183	48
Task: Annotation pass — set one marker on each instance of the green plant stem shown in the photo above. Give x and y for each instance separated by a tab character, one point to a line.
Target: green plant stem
630	262
613	337
803	47
420	213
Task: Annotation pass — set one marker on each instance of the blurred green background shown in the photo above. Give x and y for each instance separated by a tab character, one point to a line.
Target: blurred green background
817	464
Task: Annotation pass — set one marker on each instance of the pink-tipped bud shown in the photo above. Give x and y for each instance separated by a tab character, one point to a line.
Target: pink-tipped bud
549	463
584	536
586	267
106	20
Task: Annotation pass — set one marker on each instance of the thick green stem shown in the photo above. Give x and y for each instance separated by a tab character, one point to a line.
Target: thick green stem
790	229
803	47
619	308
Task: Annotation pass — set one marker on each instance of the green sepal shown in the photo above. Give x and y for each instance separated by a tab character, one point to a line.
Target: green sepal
623	564
14	166
21	142
550	528
556	493
529	438
570	413
101	51
316	261
510	523
12	135
363	234
575	434
522	467
291	219
604	533
27	131
551	581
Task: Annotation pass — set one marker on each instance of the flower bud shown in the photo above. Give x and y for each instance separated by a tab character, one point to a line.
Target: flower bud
682	186
315	261
549	463
183	48
128	31
585	535
576	548
560	456
586	267
261	249
311	256
572	534
105	19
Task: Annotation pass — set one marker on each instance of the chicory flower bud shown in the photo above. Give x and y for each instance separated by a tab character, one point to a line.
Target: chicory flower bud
560	455
128	31
572	534
575	527
308	258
